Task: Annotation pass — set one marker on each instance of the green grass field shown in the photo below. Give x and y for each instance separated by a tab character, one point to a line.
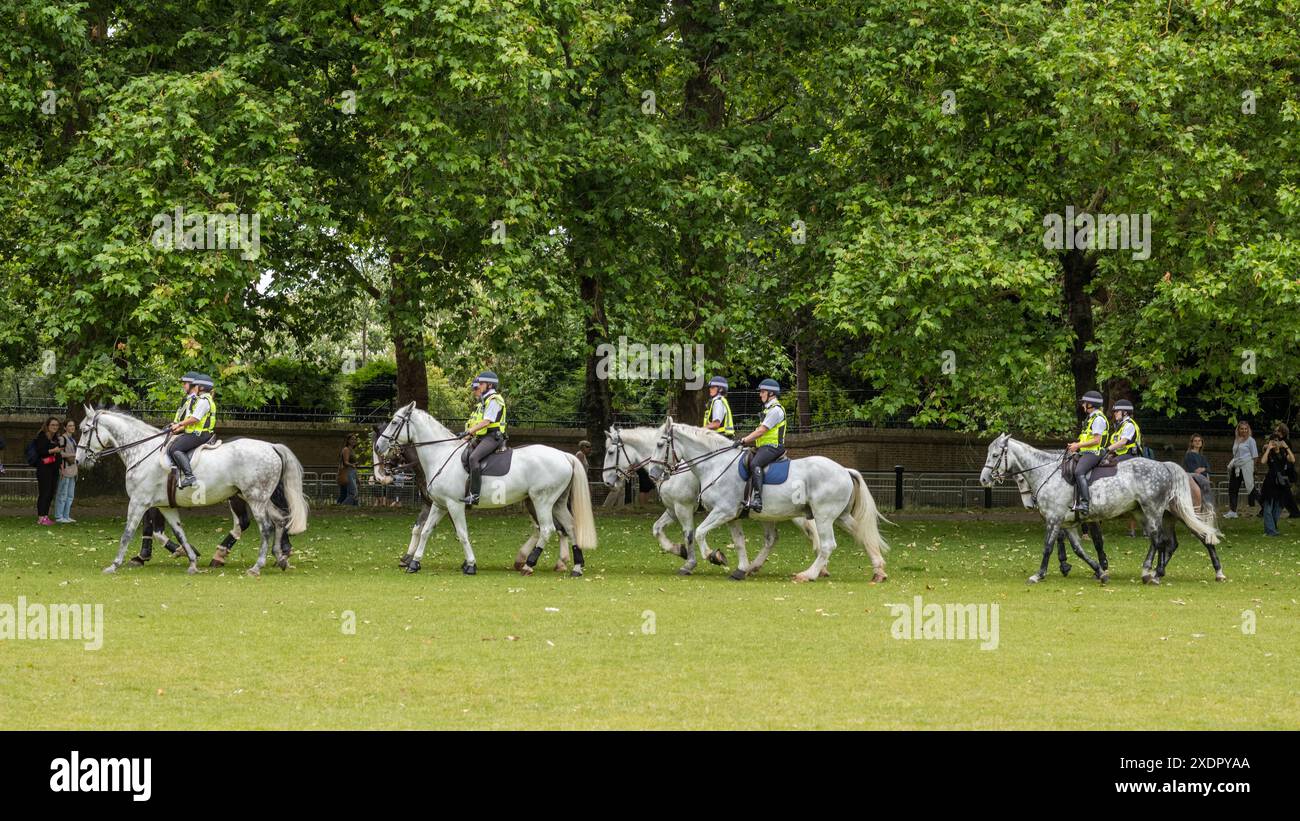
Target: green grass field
632	645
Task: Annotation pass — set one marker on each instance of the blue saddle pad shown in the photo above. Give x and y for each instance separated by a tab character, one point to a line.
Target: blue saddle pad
774	474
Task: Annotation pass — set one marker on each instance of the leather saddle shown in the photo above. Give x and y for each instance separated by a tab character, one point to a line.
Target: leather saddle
774	474
174	473
496	464
1105	469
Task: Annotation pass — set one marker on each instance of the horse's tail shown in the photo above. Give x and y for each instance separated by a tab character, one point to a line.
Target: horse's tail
584	521
866	521
1202	523
291	478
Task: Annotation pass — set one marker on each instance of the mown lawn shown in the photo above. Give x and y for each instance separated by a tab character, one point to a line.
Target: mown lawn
632	645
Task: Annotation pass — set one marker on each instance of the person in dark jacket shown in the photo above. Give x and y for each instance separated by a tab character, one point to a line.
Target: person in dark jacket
49	452
1279	461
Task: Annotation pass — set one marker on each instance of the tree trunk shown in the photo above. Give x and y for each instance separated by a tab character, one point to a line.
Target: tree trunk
597	407
1079	269
803	409
703	108
404	316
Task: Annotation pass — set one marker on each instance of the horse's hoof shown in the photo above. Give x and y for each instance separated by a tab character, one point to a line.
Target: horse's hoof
560	566
192	569
283	563
112	568
681	571
1104	577
520	564
413	566
1034	579
576	573
717	557
468	568
737	575
254	571
404	561
800	578
136	561
879	577
215	562
825	574
1219	577
1066	568
1147	577
525	570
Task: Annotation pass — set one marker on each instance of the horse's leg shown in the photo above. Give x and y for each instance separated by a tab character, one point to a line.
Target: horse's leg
1099	542
1075	544
1053	530
421	539
716	517
457	512
265	527
1060	555
545	529
415	535
738	537
769	539
1168	544
134	513
173	517
661	524
825	547
521	558
239	515
1214	560
685	515
564	524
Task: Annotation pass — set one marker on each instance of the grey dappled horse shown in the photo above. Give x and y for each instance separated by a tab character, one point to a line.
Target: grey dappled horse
817	488
628	449
1143	487
248	467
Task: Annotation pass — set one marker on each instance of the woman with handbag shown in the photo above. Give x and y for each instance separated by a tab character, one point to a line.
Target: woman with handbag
48	449
1279	460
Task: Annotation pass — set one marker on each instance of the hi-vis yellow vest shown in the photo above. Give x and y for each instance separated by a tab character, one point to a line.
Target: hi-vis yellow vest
500	423
1086	433
475	416
209	421
775	436
1135	445
183	412
727	426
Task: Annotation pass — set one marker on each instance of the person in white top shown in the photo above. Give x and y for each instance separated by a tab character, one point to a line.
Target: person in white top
1241	470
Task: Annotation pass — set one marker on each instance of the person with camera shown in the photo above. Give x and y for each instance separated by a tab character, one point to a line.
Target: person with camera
1279	461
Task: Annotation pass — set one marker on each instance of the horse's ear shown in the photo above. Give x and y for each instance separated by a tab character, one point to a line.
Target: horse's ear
669	421
89	410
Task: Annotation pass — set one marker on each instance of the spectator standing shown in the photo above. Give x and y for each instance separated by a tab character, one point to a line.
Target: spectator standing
1241	470
347	477
67	475
1279	461
48	452
1195	463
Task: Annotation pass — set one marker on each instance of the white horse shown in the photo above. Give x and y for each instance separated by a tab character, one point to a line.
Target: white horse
628	449
248	467
817	489
551	479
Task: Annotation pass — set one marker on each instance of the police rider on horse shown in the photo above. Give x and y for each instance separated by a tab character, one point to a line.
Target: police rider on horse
1126	439
195	423
768	440
487	431
717	411
1088	446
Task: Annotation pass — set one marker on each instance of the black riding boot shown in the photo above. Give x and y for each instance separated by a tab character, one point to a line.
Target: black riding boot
756	500
475	486
1081	487
182	460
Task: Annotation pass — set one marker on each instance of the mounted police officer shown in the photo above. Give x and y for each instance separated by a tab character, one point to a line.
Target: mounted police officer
474	417
183	412
195	429
1089	445
1126	439
717	411
487	433
768	440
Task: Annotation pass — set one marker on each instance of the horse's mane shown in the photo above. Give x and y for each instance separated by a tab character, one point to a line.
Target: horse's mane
702	436
133	421
440	430
643	435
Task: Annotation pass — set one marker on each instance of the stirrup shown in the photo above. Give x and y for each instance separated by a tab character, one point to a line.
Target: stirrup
470	499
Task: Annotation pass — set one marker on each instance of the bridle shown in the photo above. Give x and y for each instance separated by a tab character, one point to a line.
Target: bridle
620	451
92	428
1000	470
404	427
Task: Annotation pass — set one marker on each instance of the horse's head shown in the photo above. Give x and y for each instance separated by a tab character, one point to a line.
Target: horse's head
996	463
389	441
618	462
94	438
665	455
